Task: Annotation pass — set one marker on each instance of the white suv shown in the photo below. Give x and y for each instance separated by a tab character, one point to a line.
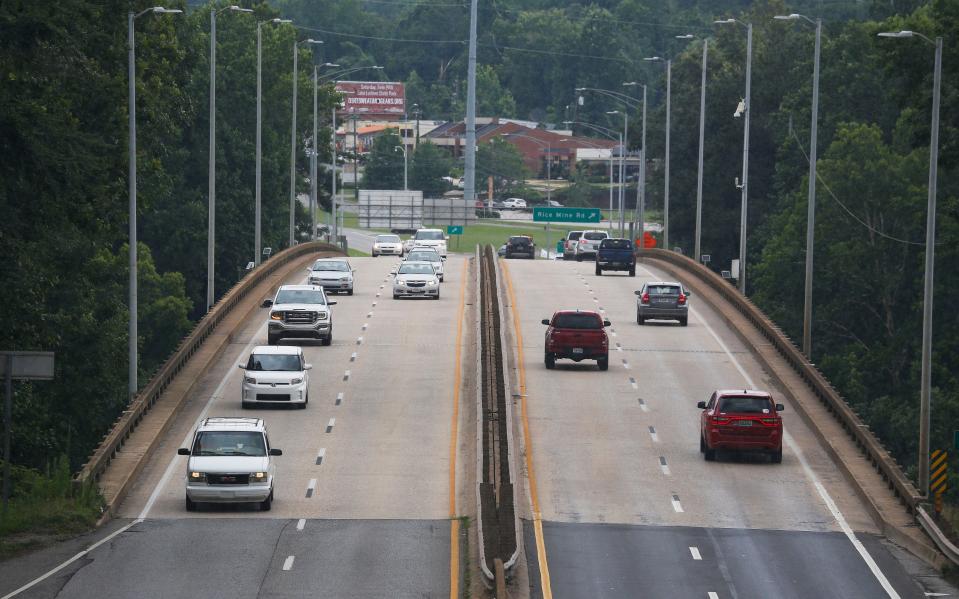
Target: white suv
588	243
434	238
231	461
514	203
276	375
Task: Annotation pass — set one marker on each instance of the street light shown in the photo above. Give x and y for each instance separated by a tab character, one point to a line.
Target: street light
316	149
669	77
132	183
641	188
811	201
211	219
926	380
259	130
405	180
296	46
745	106
622	168
618	135
702	129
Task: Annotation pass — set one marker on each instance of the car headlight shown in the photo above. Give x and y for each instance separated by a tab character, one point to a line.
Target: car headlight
276	316
197	477
249	379
322	316
258	477
344	278
433	282
296	381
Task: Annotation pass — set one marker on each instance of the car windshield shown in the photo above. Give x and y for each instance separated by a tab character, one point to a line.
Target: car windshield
574	235
520	240
577	321
594	235
274	362
337	266
300	296
662	290
423	257
615	244
415	269
745	405
244	443
429	236
387	239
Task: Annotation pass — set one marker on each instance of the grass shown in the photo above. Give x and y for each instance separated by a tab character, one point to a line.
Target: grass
496	235
45	508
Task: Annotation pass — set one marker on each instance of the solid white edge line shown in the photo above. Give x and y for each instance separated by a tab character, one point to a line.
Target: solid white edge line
827	499
694	551
288	564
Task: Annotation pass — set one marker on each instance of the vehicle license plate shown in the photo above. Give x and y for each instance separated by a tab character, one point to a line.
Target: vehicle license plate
744	423
416	290
577	350
663	301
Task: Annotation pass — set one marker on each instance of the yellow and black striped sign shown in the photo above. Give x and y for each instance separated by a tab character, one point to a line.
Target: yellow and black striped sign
938	466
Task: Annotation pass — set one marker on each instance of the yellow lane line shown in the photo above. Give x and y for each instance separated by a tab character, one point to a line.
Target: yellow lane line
454	522
531	474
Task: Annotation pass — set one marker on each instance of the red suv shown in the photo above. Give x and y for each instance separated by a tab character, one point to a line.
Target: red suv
741	420
577	335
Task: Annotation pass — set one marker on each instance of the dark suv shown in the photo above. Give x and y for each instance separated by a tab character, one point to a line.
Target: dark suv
577	335
520	246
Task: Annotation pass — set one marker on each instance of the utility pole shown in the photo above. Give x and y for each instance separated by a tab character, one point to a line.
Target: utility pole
469	176
699	172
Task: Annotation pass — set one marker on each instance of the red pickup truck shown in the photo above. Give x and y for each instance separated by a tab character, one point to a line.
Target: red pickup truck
577	335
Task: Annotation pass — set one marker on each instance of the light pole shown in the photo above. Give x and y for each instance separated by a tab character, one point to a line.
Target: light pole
702	129
926	380
669	77
296	47
811	200
612	135
316	150
641	187
405	171
132	189
259	131
211	218
416	112
745	107
622	167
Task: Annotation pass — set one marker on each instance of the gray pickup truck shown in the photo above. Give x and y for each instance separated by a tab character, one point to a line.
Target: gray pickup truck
615	254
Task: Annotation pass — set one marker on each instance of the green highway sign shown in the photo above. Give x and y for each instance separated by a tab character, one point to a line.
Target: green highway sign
955	439
542	214
454	230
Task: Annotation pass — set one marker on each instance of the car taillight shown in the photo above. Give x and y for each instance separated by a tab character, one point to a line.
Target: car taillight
770	421
719	420
645	298
682	299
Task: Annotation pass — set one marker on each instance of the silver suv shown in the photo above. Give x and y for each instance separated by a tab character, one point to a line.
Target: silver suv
667	300
300	311
588	243
231	461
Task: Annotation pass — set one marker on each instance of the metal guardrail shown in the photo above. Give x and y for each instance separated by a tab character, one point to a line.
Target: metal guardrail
147	397
878	456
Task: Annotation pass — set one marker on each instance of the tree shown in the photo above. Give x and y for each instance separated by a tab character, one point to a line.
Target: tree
428	165
501	160
384	165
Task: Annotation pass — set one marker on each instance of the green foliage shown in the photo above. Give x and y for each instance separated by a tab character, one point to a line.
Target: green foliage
502	161
428	165
384	165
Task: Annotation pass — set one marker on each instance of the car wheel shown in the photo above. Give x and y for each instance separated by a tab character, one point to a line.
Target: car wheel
632	271
190	505
349	292
599	271
603	362
272	339
579	257
708	454
702	444
776	457
396	296
550	360
437	296
441	278
328	340
374	254
640	320
267	503
246	405
684	321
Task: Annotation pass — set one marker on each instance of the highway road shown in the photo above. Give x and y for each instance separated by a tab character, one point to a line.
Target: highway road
628	506
364	488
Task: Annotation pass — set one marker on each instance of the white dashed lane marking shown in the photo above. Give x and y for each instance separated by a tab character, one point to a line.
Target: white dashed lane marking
632	382
311	488
359	340
339	398
652	433
320	455
288	564
694	551
642	405
330	424
346	375
677	507
664	466
300	524
353	357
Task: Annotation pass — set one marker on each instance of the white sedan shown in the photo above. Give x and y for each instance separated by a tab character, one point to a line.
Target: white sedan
427	254
387	245
415	279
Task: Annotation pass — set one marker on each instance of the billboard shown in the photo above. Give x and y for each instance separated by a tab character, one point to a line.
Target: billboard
372	98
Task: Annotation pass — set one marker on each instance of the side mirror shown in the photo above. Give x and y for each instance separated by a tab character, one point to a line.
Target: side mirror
183	451
701	405
241	366
330	302
309	270
780	407
638	292
546	321
688	292
266	303
308	367
275	451
443	258
393	272
606	323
